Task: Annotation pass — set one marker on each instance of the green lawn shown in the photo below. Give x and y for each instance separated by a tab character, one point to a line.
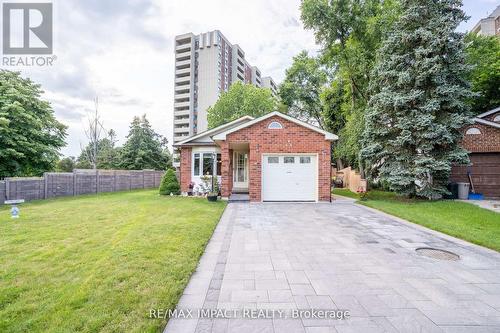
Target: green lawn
455	218
345	192
99	263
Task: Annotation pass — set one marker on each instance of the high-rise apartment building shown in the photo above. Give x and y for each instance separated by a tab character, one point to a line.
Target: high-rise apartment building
205	66
267	82
489	26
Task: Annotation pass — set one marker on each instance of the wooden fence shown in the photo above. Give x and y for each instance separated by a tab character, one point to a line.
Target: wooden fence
351	179
80	181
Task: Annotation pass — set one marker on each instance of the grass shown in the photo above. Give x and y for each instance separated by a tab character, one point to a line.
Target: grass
459	219
345	192
99	263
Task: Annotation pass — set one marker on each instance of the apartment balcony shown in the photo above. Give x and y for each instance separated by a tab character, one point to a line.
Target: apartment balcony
184	72
185	95
183	48
181	104
183	80
183	54
184	89
181	130
184	121
183	64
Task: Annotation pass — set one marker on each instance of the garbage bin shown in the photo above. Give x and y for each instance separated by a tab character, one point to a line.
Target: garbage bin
463	191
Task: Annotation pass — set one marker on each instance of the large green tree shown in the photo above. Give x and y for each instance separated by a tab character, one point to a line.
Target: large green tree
483	54
419	100
302	87
144	149
240	100
30	135
350	32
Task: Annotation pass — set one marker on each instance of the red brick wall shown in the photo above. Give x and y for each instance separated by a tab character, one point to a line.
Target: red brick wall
486	142
185	168
292	138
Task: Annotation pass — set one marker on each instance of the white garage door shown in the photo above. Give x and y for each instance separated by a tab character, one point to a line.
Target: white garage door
289	178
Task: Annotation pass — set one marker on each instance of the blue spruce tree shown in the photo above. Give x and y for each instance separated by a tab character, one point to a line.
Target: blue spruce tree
418	102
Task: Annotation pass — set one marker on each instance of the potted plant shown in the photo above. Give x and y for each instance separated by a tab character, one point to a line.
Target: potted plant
214	193
191	187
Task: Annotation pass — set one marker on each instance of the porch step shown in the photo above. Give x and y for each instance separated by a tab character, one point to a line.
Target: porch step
239	197
239	190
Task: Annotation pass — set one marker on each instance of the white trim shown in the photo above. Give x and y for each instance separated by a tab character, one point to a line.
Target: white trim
487	122
202	134
487	113
222	136
287	154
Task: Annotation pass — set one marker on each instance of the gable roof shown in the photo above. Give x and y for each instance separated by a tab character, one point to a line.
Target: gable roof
487	113
222	135
213	131
487	122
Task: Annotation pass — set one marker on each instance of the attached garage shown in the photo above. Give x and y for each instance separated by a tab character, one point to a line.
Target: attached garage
482	140
289	177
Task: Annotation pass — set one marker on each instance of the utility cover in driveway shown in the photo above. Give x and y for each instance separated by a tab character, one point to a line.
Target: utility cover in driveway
289	178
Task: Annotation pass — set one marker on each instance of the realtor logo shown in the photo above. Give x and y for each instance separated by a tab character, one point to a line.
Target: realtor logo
27	28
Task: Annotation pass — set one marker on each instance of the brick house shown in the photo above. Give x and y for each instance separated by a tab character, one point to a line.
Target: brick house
271	158
482	140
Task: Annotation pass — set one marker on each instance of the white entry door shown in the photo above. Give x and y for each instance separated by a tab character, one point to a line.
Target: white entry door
240	170
289	178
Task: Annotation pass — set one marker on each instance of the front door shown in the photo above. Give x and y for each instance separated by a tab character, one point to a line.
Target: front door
240	170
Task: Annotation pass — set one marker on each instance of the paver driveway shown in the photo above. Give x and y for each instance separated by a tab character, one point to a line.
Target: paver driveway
339	256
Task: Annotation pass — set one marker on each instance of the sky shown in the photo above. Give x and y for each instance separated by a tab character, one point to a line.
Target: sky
123	52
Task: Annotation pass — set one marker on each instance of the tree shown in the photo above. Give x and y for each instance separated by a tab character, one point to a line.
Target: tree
351	32
483	54
169	183
107	154
302	87
66	164
93	132
240	100
30	135
418	104
144	149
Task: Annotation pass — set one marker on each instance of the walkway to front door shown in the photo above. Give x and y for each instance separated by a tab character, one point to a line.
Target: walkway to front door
339	256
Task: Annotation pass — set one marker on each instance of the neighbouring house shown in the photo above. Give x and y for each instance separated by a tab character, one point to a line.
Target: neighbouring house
271	158
482	140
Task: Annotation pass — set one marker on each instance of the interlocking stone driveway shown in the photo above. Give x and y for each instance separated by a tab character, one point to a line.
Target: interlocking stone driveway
339	255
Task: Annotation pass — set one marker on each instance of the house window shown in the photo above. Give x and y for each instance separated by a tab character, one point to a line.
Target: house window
203	163
208	164
289	160
219	165
305	159
275	125
196	164
273	159
473	131
497	119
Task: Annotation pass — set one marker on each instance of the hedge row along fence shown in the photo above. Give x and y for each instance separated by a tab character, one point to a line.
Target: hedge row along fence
80	181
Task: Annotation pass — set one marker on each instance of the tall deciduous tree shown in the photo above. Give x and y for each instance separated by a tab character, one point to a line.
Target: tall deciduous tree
418	104
483	54
144	149
30	135
240	100
350	32
302	87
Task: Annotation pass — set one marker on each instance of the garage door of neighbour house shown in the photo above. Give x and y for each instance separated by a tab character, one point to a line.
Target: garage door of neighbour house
485	172
289	178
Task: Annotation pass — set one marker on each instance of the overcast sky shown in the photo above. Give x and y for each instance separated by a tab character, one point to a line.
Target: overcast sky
122	51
